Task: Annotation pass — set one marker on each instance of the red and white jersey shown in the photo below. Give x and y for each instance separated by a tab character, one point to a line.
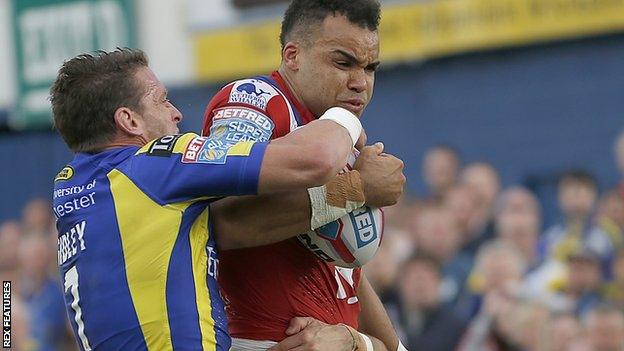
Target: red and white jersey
265	287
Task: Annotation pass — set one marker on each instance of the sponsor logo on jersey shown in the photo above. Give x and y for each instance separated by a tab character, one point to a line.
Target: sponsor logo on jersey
259	119
65	174
163	147
191	153
205	150
232	130
73	205
73	190
364	224
252	92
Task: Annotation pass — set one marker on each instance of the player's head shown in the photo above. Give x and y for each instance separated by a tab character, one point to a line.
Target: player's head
110	97
330	52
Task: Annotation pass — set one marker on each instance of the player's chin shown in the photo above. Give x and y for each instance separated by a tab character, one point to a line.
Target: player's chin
356	109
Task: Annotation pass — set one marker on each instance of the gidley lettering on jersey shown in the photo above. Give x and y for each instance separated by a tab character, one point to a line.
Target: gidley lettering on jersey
71	242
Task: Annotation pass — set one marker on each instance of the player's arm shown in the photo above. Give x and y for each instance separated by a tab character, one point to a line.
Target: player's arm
373	319
311	155
251	221
306	333
186	167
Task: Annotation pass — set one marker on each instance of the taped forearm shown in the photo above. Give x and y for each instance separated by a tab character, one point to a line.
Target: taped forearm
342	195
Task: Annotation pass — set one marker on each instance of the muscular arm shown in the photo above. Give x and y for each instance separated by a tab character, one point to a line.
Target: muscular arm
374	320
307	157
273	218
249	221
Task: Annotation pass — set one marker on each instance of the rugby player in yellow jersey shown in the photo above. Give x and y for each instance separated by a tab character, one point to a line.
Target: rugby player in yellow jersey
135	249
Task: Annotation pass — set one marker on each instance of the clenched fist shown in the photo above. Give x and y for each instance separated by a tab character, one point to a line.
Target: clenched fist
382	176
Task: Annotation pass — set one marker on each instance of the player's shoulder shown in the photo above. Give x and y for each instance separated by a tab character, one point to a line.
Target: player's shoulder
167	145
257	92
256	100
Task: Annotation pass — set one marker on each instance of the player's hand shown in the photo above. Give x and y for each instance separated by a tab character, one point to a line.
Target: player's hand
382	176
306	333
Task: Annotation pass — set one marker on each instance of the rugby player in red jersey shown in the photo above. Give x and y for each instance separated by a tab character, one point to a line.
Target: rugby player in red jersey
329	58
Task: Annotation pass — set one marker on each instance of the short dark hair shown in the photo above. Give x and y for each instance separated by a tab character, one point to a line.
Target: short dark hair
579	176
89	89
305	14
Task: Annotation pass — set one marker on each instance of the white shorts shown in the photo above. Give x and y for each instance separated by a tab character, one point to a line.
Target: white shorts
250	345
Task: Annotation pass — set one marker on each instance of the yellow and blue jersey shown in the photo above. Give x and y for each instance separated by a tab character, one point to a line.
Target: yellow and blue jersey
136	251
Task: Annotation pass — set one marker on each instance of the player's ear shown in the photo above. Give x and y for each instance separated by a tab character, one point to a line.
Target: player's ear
129	122
290	55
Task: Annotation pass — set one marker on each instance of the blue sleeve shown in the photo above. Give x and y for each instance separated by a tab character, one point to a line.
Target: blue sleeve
185	167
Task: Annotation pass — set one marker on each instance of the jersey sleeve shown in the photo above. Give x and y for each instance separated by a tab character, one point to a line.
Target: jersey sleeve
184	167
248	110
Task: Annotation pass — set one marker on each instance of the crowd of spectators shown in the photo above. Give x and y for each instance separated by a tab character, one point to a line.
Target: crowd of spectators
469	267
472	266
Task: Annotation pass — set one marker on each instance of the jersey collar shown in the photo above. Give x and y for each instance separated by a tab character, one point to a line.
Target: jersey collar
306	115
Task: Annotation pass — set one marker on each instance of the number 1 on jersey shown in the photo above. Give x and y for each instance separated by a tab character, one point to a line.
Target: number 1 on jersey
71	284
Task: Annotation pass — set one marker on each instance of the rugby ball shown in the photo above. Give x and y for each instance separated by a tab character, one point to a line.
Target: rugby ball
350	241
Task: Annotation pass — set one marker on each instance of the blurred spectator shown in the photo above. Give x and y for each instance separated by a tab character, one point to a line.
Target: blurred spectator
518	222
507	323
37	217
440	170
614	290
604	326
20	326
484	180
437	235
610	216
489	330
580	344
577	193
563	330
498	271
461	203
10	236
400	215
423	321
42	294
619	159
382	270
584	280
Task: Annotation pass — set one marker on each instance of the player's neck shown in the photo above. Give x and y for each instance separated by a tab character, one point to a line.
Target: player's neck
289	83
125	140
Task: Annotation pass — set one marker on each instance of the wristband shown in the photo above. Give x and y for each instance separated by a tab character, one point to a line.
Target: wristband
401	347
367	341
346	119
340	196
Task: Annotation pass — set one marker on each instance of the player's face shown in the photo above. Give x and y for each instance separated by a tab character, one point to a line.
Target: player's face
159	115
338	67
